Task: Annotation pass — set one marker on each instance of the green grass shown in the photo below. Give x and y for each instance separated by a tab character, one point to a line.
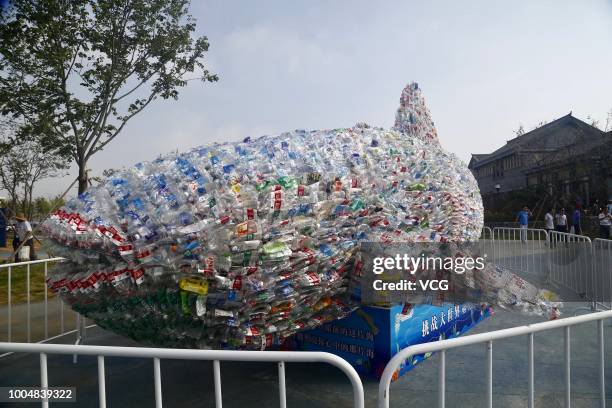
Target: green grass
19	282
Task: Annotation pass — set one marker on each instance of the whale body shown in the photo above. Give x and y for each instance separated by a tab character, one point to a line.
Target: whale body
242	244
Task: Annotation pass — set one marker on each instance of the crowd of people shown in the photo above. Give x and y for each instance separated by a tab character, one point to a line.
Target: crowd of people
558	220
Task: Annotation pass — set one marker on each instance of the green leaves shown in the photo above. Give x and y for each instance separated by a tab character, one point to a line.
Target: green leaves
25	160
79	70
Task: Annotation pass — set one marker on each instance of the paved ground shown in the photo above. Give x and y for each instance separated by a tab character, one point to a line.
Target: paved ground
19	321
190	384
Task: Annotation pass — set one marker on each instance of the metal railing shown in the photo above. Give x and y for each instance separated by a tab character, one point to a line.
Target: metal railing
570	263
488	338
486	242
602	272
487	233
216	356
27	265
520	248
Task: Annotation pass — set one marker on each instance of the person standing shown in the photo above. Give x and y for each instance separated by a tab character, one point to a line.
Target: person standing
523	219
23	232
16	241
579	202
576	218
549	223
605	221
561	221
3	224
595	209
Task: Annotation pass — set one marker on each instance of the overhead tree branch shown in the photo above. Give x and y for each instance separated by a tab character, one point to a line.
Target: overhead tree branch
111	51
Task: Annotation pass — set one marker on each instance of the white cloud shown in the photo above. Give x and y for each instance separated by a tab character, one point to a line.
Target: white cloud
279	48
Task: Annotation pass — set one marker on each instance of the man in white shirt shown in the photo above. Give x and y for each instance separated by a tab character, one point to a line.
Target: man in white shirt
560	225
549	223
23	233
561	221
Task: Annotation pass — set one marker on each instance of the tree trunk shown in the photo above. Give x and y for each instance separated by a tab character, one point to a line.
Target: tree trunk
83	183
14	202
30	204
24	203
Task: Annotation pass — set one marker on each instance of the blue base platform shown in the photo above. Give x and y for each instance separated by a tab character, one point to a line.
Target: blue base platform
370	336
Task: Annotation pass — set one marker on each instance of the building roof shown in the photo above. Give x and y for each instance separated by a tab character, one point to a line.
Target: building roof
548	138
600	149
476	158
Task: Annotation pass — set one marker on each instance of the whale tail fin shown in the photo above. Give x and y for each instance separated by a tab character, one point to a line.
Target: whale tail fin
413	117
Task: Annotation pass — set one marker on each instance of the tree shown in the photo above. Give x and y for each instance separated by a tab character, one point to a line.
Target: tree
79	70
520	131
593	122
43	206
24	165
40	206
608	126
10	177
10	180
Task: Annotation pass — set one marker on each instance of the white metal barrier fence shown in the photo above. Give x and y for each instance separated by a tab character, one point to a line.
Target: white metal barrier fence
520	248
602	272
488	338
486	242
216	356
570	263
26	268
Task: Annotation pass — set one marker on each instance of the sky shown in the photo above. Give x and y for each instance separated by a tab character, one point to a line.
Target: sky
485	67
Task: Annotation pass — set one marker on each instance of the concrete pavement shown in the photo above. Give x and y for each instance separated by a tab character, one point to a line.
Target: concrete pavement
19	320
190	384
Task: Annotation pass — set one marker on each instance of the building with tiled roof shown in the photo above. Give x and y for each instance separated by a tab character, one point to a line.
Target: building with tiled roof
564	158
